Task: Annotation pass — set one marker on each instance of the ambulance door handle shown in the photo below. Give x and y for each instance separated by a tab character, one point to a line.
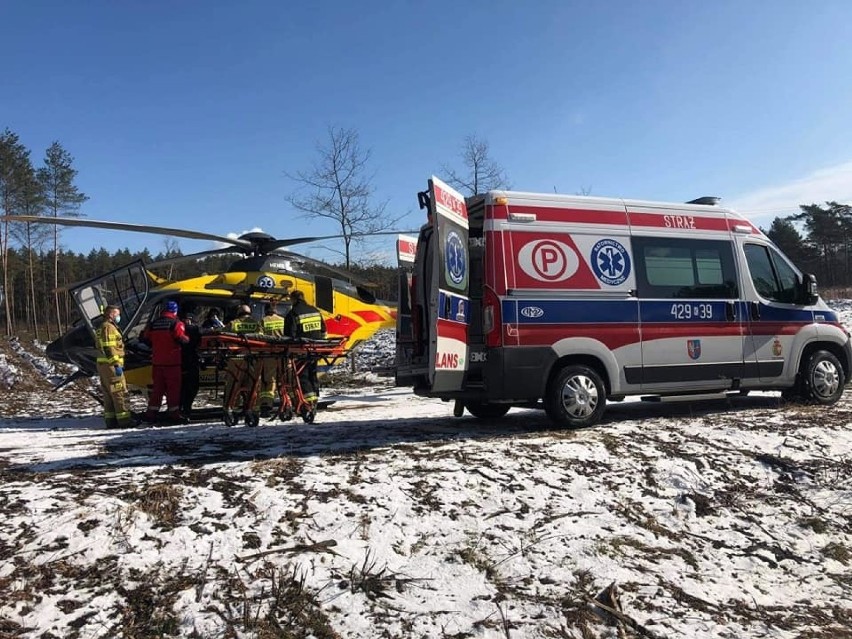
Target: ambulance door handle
730	311
755	311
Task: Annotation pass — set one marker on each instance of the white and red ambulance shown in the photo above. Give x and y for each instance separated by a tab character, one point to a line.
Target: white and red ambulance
534	299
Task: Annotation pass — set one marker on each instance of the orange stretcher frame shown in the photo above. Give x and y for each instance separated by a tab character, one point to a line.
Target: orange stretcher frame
251	351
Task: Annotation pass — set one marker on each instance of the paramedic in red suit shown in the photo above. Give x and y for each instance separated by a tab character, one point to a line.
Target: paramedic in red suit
165	335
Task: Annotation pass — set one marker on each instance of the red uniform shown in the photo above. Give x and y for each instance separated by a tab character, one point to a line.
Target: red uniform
165	335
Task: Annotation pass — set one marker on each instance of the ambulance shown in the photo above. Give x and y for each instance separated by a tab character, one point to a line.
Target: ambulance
567	302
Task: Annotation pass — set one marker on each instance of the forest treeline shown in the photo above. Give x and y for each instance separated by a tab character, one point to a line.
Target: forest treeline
35	269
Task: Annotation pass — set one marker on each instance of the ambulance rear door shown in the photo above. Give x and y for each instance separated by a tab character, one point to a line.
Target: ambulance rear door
449	298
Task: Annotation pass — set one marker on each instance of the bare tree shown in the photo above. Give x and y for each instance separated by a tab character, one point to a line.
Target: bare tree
172	249
339	187
480	173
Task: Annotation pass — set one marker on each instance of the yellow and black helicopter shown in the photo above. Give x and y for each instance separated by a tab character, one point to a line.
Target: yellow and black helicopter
266	273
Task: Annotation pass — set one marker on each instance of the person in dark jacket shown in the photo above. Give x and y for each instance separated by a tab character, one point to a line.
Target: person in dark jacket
213	321
190	365
165	335
304	321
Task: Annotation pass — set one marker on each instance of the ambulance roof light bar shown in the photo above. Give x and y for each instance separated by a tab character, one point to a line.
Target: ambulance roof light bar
707	200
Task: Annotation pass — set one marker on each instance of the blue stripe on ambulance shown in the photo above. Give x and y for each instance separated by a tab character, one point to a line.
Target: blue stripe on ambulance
653	311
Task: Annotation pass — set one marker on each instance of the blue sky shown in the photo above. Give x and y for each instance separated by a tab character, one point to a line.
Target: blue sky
189	114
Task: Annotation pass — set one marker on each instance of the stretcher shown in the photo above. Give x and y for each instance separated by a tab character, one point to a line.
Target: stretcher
241	357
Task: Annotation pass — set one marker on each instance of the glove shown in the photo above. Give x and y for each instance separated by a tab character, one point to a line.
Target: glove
118	370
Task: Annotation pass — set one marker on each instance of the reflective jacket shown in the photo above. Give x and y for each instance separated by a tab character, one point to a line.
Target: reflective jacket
110	344
165	335
244	324
304	320
273	324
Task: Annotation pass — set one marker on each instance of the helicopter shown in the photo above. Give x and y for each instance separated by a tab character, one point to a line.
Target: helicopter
265	273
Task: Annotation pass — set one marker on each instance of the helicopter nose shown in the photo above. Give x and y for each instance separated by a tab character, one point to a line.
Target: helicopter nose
75	342
55	351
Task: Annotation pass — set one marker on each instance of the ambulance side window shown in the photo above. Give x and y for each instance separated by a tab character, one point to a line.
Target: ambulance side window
774	279
675	268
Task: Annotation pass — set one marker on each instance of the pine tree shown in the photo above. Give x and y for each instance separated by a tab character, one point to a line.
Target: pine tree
63	198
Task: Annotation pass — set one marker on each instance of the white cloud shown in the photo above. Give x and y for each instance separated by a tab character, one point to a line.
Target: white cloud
235	236
763	205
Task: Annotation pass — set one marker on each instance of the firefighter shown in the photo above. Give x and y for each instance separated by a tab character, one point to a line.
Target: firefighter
165	335
240	371
305	321
273	324
111	370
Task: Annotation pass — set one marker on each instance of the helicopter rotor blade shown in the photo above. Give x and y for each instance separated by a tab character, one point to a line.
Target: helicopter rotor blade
179	259
123	226
347	275
276	244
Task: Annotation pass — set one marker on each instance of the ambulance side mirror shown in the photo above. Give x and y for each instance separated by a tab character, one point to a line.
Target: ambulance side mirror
808	290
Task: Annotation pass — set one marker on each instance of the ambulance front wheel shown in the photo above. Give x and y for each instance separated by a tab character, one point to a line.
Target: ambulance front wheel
576	397
823	378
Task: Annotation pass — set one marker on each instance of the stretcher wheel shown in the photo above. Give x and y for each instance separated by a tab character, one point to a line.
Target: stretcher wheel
252	419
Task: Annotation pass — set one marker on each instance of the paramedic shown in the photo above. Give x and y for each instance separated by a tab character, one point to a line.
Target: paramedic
212	321
165	335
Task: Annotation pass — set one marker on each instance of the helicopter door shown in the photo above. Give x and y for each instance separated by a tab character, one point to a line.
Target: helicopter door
125	287
449	301
324	293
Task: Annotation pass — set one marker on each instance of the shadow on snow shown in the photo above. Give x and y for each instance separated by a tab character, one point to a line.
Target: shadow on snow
209	443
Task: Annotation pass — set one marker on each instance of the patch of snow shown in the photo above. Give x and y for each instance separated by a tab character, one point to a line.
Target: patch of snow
9	374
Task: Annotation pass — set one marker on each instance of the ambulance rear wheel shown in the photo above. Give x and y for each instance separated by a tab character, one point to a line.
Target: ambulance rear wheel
823	378
576	397
483	410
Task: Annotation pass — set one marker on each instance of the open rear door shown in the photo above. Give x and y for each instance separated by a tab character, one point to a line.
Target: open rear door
449	301
406	252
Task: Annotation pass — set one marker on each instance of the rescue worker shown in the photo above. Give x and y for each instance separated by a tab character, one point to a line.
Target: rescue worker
212	321
111	370
240	372
165	335
190	365
304	321
273	324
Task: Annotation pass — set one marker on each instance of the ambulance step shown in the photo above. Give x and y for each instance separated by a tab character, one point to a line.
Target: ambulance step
684	398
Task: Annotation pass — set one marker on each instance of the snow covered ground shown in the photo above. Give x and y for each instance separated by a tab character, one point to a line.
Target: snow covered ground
388	517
